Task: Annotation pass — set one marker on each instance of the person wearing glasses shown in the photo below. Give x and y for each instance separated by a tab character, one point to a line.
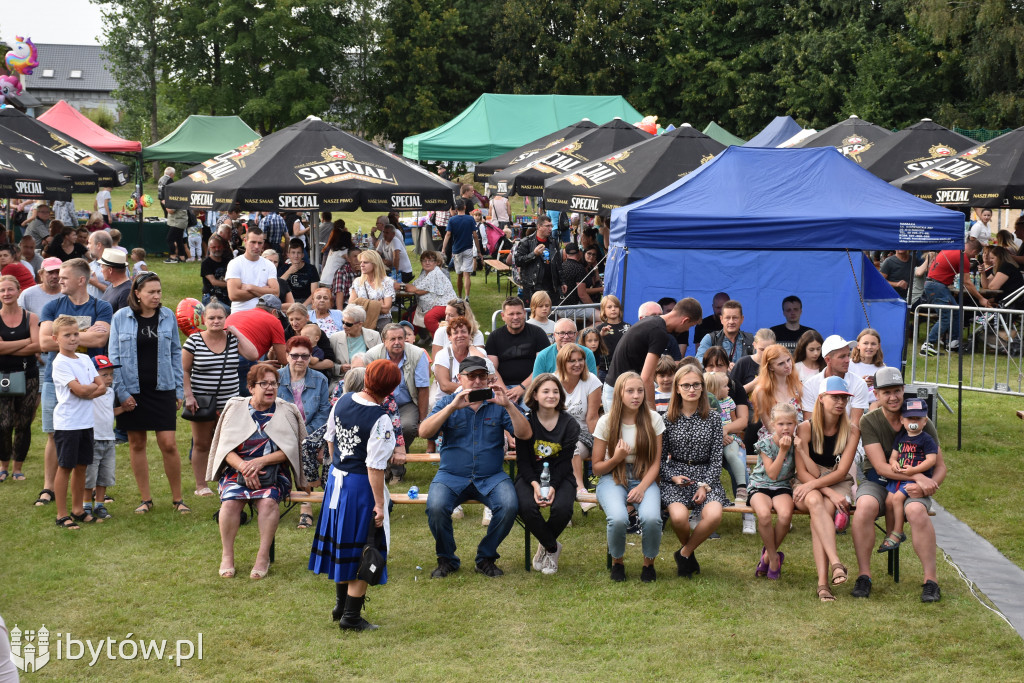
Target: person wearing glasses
565	333
354	338
149	383
308	390
432	289
254	447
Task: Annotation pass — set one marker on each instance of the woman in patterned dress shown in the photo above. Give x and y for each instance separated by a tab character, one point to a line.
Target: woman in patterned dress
256	436
361	439
691	465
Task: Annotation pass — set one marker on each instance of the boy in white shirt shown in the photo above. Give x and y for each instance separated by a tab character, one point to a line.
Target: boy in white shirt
76	383
100	474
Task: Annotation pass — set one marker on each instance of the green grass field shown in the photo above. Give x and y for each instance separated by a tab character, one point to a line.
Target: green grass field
155	577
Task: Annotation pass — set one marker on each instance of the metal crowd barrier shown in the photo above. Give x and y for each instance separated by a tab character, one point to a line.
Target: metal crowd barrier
992	353
583	315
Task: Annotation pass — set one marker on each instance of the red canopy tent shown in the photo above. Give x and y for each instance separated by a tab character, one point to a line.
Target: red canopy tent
67	119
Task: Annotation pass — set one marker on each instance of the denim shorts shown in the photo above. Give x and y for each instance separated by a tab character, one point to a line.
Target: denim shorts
49	392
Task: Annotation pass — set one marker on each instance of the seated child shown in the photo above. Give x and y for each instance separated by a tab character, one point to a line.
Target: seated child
717	385
319	361
540	309
913	452
100	474
663	374
769	487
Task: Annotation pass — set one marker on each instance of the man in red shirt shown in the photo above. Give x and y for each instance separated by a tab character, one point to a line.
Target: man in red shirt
10	265
936	291
262	327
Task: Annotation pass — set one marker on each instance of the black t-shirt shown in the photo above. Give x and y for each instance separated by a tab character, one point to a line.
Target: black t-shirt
218	269
555	447
283	289
147	346
611	340
1014	279
650	335
572	273
300	282
745	371
788	337
516	352
895	270
117	295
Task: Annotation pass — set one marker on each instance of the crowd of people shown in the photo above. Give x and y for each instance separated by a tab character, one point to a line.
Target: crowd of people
300	377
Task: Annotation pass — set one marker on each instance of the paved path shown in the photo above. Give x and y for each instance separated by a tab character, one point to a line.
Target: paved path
997	577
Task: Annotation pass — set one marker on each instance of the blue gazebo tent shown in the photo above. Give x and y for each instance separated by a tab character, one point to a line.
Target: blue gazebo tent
762	224
775	133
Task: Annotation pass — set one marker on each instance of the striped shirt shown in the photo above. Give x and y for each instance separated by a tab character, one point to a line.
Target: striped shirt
208	368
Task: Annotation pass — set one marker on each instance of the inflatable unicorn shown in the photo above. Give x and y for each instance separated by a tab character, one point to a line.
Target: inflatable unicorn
23	58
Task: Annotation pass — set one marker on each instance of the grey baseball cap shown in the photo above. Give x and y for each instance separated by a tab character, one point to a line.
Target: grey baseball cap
888	377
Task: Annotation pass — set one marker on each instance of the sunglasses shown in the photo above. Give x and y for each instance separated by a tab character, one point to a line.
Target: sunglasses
299	356
348	324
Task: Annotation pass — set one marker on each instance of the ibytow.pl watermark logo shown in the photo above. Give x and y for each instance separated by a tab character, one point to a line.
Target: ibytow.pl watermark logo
32	650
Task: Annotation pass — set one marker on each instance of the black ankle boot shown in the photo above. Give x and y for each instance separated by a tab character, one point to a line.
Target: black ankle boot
351	620
339	606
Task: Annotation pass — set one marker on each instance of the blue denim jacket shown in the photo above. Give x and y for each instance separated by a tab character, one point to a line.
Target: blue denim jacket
316	400
124	329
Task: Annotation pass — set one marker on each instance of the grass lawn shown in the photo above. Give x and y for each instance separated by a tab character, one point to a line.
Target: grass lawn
155	577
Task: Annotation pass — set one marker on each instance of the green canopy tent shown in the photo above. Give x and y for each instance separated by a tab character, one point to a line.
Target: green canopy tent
495	124
199	138
719	134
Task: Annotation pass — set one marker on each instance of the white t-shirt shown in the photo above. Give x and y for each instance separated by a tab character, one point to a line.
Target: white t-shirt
548	327
862	369
576	403
981	232
441	338
805	373
72	412
335	260
101	201
103	412
861	396
258	272
387	252
627	433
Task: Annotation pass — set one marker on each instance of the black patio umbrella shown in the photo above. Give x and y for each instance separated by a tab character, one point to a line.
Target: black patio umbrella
485	169
310	165
82	178
110	171
25	178
632	173
851	137
989	174
527	177
918	146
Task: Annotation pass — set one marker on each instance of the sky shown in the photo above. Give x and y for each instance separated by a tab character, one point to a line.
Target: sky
71	22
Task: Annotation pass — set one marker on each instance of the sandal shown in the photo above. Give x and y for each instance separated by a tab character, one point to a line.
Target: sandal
40	501
144	507
203	492
68	523
3	476
107	499
18	476
891	542
825	595
85	517
762	566
839	575
256	574
305	521
226	573
180	506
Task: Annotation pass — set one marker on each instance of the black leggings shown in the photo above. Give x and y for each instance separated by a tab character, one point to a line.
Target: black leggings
547	531
16	415
176	242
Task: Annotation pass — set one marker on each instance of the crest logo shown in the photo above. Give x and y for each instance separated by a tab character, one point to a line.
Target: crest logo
30	650
571	149
936	154
339	166
335	154
853	146
976	152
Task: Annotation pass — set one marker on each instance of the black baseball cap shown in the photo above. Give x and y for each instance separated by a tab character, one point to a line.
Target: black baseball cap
472	364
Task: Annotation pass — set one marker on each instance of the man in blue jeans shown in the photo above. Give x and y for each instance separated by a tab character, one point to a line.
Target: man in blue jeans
936	291
472	465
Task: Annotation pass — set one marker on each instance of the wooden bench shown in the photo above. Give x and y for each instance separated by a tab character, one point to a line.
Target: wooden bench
498	267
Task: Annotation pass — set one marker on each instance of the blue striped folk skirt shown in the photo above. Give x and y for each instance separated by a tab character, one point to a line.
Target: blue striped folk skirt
341	533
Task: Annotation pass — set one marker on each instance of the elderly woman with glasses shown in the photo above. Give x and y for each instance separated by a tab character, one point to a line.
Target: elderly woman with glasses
433	289
308	390
254	447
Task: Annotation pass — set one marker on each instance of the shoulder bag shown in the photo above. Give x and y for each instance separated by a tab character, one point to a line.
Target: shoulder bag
372	563
206	404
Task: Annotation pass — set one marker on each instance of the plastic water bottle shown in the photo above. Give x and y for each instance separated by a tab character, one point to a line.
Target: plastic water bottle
547	256
545	482
414	492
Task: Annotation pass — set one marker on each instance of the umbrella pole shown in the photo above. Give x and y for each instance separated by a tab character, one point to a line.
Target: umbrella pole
908	331
960	359
138	192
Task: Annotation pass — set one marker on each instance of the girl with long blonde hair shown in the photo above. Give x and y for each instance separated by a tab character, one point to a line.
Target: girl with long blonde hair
373	290
627	450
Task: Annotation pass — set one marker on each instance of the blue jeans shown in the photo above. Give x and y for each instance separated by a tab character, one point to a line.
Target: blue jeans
612	499
736	463
938	293
441	500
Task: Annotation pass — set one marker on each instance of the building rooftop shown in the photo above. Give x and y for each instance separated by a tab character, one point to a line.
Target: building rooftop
70	67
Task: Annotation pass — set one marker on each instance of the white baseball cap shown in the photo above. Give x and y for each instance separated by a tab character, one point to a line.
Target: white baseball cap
834	342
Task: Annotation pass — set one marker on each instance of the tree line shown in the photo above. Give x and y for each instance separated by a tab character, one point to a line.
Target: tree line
387	69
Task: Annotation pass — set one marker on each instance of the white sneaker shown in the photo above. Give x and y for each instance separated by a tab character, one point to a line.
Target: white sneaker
586	507
486	521
749	527
551	561
540	558
457	513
